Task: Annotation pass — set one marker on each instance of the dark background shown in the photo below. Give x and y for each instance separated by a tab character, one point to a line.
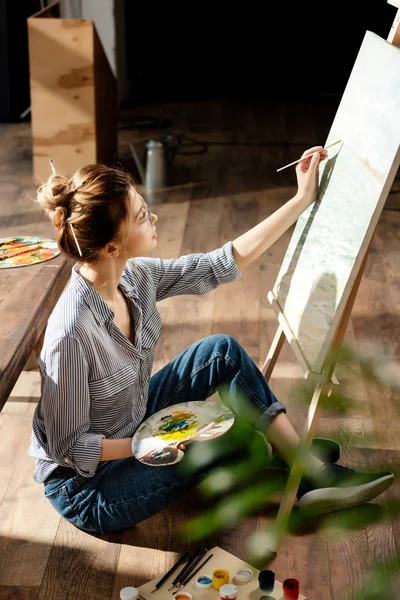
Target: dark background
275	51
14	60
287	50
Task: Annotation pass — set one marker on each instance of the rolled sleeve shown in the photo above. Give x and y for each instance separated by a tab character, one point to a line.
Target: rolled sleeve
65	406
87	453
223	264
268	415
192	273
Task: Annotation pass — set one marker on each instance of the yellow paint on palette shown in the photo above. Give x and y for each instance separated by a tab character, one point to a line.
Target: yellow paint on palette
177	426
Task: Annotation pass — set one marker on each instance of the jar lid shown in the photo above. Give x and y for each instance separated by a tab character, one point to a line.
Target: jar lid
129	593
204	581
244	575
228	591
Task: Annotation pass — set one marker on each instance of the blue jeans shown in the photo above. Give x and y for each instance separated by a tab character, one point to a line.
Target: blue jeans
124	492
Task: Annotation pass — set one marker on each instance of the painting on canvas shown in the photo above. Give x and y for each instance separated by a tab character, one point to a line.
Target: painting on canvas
331	237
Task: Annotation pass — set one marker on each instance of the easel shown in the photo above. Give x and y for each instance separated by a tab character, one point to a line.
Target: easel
394	33
323	386
323	380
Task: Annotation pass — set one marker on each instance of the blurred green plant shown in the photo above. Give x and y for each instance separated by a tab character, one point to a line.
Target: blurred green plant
239	478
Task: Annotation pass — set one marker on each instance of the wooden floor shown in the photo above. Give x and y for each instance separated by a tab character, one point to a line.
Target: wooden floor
217	195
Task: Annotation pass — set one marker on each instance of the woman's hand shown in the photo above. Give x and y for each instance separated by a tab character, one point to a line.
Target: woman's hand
184	444
307	175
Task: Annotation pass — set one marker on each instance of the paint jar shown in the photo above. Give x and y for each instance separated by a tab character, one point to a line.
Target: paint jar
129	593
244	575
220	577
291	589
204	581
228	591
267	598
183	596
266	580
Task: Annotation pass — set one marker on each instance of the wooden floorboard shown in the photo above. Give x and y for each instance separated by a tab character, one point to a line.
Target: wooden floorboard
356	551
82	564
18	593
215	197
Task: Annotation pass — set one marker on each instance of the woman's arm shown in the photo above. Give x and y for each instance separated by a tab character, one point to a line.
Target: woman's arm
65	408
254	242
113	449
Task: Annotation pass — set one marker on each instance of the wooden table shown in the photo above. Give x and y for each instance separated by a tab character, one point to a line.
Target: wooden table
27	294
27	297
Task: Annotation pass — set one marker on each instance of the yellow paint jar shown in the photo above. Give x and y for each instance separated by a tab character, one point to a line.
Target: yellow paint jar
220	577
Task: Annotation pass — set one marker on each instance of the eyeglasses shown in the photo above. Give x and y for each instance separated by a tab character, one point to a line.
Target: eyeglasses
146	218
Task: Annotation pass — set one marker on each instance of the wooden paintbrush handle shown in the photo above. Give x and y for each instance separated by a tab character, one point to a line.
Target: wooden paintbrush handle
18	252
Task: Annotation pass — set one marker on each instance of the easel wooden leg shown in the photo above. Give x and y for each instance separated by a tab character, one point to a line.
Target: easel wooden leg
324	386
273	353
273	356
292	485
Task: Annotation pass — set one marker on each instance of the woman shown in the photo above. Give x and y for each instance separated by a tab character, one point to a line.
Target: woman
98	352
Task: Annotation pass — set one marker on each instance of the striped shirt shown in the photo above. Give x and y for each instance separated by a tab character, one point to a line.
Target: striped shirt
94	380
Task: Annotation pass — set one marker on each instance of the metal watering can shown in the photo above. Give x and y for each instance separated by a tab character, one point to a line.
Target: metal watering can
155	171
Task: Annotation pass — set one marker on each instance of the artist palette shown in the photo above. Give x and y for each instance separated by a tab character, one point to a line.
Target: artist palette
155	441
24	251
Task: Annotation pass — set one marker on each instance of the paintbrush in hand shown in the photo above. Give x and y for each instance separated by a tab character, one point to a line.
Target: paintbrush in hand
308	156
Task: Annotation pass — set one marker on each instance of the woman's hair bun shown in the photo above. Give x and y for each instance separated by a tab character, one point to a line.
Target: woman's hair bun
54	197
87	209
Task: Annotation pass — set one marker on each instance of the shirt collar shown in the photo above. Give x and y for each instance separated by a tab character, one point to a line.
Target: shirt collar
128	285
92	298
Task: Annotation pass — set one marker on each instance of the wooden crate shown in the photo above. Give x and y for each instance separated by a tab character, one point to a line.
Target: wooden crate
73	95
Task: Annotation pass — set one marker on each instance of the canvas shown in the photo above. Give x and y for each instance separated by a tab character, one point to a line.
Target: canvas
331	237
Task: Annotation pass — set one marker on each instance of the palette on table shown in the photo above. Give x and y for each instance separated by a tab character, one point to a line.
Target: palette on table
155	441
23	251
221	559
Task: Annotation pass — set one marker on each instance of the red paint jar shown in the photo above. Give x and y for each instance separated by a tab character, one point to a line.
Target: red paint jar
291	589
